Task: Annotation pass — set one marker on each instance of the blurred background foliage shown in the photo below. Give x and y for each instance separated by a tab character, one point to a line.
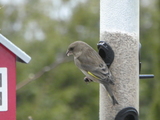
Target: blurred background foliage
44	29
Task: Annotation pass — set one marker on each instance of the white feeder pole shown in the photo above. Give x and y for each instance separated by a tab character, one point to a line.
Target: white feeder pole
119	27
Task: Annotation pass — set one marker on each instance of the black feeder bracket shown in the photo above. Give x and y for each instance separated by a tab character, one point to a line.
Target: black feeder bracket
143	76
128	113
106	52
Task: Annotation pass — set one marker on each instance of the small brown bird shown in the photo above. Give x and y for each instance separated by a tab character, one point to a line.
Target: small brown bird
92	65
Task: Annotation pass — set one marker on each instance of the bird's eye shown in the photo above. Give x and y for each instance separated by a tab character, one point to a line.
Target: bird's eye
71	48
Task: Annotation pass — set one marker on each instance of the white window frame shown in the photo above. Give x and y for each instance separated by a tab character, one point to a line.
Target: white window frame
4	89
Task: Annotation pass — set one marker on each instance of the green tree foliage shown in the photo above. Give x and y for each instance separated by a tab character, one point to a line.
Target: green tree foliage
43	32
44	29
150	39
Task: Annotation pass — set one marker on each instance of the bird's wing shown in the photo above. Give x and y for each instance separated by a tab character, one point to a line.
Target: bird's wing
100	73
96	71
92	64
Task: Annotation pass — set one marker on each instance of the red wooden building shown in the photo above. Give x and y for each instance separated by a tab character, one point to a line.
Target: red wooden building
9	54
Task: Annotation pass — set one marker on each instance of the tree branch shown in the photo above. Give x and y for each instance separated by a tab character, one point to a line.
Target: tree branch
58	62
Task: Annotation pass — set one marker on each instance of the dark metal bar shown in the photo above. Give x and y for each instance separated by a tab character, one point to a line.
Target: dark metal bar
145	76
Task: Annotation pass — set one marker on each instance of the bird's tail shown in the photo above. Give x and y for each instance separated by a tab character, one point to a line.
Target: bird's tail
114	100
109	90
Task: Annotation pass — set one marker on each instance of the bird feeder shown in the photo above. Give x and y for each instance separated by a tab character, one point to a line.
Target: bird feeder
9	54
119	28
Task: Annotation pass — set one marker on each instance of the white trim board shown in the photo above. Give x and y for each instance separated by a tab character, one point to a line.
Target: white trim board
21	55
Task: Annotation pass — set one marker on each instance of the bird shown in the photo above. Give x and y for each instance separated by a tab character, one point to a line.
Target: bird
92	66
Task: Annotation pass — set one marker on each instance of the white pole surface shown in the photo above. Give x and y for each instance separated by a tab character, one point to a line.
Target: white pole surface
119	27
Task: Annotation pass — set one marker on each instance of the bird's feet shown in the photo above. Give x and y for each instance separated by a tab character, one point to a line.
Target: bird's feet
87	80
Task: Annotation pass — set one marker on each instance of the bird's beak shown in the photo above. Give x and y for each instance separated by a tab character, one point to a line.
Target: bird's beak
68	53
